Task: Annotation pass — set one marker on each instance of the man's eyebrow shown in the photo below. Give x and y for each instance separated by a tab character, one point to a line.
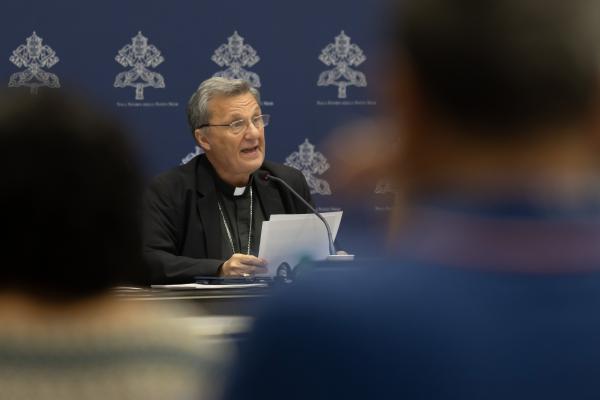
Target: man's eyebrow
236	115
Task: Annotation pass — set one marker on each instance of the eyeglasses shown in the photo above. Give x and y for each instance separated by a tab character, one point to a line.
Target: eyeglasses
240	125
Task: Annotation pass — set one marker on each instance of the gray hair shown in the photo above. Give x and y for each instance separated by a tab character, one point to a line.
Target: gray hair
198	112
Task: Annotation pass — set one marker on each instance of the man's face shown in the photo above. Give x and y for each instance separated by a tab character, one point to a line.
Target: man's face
234	156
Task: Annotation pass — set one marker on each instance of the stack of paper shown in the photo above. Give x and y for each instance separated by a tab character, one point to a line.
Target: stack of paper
290	238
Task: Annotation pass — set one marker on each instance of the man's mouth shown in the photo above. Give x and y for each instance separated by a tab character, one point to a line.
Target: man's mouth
250	150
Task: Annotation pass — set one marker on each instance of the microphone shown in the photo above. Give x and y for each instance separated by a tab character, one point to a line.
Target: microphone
266	177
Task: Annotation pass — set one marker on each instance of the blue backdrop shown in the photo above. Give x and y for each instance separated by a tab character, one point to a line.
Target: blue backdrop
298	51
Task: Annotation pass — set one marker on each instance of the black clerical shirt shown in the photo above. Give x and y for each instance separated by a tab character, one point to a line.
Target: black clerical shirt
235	203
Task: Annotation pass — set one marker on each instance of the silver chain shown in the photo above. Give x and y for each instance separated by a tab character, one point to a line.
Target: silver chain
227	225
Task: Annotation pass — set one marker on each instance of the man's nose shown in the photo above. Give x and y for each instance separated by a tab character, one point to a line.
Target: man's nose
252	131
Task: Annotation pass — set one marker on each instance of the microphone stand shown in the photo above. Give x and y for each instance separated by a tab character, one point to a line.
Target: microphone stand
332	252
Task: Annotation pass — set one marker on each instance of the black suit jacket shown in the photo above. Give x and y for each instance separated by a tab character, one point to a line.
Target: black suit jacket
182	229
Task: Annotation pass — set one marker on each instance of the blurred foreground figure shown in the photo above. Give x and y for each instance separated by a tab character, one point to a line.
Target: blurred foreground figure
69	210
492	289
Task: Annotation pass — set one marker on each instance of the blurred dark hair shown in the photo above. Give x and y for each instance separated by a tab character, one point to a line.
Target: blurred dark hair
503	63
70	197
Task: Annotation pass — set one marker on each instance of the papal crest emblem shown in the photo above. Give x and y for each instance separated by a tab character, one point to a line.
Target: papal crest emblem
342	55
384	186
311	163
34	56
139	56
235	55
197	151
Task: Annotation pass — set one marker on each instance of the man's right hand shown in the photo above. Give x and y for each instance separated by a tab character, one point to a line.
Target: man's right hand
243	265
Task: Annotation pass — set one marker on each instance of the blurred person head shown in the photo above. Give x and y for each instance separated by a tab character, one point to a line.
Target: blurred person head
227	123
492	99
496	95
69	203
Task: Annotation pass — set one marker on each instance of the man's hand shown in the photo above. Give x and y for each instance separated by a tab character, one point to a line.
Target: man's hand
243	265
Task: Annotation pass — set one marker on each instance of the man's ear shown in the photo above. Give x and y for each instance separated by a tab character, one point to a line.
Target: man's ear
202	139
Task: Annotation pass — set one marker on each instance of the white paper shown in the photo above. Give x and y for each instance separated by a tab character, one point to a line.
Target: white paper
290	238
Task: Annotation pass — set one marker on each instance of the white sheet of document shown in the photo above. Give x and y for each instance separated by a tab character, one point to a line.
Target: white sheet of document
291	238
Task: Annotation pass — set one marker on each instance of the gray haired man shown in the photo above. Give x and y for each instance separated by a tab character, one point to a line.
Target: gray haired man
204	218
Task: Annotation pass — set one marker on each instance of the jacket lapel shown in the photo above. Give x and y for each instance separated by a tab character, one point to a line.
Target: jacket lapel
269	196
207	208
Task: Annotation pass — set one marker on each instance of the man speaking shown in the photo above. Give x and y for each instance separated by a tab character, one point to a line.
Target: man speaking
204	218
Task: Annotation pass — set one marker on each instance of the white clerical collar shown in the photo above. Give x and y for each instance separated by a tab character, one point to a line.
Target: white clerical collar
238	191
